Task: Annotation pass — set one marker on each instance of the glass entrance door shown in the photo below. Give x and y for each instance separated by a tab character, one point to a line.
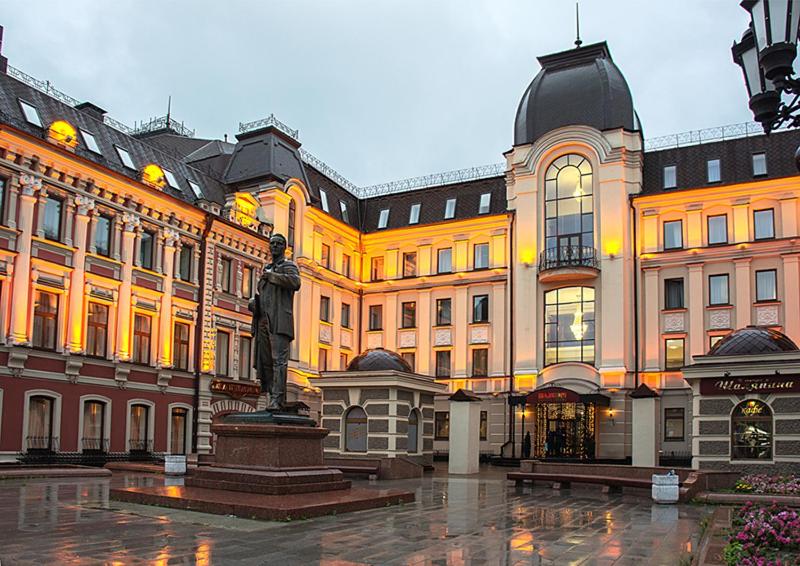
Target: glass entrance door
564	430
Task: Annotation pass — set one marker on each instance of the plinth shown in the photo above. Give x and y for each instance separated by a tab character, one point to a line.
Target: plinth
265	470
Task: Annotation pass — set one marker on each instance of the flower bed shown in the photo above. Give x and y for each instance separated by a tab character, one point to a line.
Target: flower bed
762	483
764	536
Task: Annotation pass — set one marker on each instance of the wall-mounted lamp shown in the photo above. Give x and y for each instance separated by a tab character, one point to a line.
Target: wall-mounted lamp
611	416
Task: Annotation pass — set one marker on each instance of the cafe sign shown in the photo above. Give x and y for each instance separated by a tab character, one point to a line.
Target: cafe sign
743	385
553	395
235	389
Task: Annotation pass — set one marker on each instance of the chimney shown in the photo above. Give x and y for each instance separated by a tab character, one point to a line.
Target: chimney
92	110
3	60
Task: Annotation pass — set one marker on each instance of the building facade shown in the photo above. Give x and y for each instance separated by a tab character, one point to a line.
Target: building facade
552	287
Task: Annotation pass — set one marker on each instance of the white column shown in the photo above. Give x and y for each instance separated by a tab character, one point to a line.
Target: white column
21	282
644	451
75	316
124	343
171	239
464	444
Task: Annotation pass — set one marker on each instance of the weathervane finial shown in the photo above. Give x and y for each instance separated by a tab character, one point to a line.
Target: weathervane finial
578	41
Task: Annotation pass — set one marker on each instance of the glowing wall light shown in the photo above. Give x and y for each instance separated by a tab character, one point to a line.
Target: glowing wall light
63	132
153	175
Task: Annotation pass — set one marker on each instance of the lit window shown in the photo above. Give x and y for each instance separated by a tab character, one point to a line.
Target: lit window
325	260
486	200
569	325
409	319
766	285
673	423
443	365
324	198
569	217
180	346
718	289
764	221
377	269
90	142
450	208
480	362
480	308
376	317
441	425
343	208
480	256
444	262
484	426
383	219
125	157
413	215
171	180
670	177
759	164
712	341
97	330
225	276
31	113
195	189
673	235
45	311
713	171
443	312
410	264
674	356
247	281
673	293
751	425
718	229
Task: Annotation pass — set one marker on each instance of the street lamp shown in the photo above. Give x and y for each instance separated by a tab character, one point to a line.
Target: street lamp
766	53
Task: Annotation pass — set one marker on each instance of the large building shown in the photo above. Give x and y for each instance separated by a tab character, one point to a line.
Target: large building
584	269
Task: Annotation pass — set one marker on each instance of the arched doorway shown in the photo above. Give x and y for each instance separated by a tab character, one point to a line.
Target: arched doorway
413	432
355	430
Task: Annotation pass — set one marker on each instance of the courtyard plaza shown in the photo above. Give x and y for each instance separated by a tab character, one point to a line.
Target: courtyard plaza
480	519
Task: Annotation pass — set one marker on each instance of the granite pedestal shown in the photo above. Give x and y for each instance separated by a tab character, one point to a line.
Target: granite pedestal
265	470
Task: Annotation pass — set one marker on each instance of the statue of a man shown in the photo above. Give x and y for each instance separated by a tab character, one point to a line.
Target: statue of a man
273	322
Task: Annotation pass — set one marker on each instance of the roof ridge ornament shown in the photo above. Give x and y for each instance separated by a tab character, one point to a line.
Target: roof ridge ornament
578	41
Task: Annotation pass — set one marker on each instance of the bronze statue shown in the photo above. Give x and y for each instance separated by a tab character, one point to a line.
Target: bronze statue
273	322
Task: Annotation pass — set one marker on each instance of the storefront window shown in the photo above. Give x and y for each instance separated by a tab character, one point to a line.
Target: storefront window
751	426
569	325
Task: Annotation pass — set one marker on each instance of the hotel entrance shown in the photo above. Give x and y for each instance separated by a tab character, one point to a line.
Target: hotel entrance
564	423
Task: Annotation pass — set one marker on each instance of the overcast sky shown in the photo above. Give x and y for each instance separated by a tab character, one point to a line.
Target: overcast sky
379	89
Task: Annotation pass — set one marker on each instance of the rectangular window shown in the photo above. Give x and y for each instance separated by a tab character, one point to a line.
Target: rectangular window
718	289
444	263
377	269
480	256
97	330
171	180
376	317
324	198
146	249
673	353
673	423
322	365
346	260
673	293
766	285
759	164
195	189
223	352
345	315
713	173
670	177
325	308
345	215
717	229
442	363
142	331
52	218
343	362
673	235
325	260
441	426
125	157
443	312
247	281
480	362
450	208
185	262
180	346
410	264
178	422
45	312
484	426
383	219
90	142
411	359
712	341
225	266
409	315
486	200
2	200
102	235
480	308
31	113
245	356
413	215
764	222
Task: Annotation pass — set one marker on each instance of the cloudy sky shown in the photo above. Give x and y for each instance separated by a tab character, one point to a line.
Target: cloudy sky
379	89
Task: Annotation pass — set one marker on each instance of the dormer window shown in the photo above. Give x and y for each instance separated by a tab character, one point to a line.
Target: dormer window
413	215
670	178
195	189
31	113
450	208
153	175
323	196
63	133
383	219
343	208
125	157
90	142
171	180
486	201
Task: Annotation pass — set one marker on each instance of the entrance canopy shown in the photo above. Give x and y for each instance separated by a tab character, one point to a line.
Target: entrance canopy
564	395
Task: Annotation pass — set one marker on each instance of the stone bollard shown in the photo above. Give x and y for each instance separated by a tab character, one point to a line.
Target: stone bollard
174	464
666	488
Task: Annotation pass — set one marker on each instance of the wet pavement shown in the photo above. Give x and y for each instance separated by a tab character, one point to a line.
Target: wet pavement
454	521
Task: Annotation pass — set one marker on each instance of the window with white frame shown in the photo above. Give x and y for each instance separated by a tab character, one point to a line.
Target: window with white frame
90	142
383	218
450	209
125	157
413	214
766	285
485	204
759	164
323	197
670	177
713	171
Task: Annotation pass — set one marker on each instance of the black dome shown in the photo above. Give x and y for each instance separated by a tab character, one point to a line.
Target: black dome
379	359
581	86
753	340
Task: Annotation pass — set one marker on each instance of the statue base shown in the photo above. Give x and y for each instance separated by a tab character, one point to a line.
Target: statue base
283	417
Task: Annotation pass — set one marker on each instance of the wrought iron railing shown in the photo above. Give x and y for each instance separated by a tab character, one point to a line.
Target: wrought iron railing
568	256
270	120
94	444
42	443
141	445
162	123
707	135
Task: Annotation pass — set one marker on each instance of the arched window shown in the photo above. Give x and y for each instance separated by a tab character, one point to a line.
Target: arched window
569	221
93	433
413	432
751	431
290	231
569	325
178	422
355	430
140	440
40	423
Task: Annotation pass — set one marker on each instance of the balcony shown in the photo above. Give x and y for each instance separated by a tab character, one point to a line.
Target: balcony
568	263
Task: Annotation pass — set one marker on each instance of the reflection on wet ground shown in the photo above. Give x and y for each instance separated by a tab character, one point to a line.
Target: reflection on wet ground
454	521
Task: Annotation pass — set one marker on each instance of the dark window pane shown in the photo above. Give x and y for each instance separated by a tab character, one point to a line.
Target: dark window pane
673	293
102	235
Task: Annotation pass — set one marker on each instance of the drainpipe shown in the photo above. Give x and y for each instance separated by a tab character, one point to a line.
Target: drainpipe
511	333
634	263
198	331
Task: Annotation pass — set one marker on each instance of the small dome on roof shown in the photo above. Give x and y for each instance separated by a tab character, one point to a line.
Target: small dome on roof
378	359
753	340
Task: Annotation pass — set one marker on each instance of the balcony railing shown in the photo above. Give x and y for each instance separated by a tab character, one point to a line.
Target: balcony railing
568	256
94	444
141	445
42	443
